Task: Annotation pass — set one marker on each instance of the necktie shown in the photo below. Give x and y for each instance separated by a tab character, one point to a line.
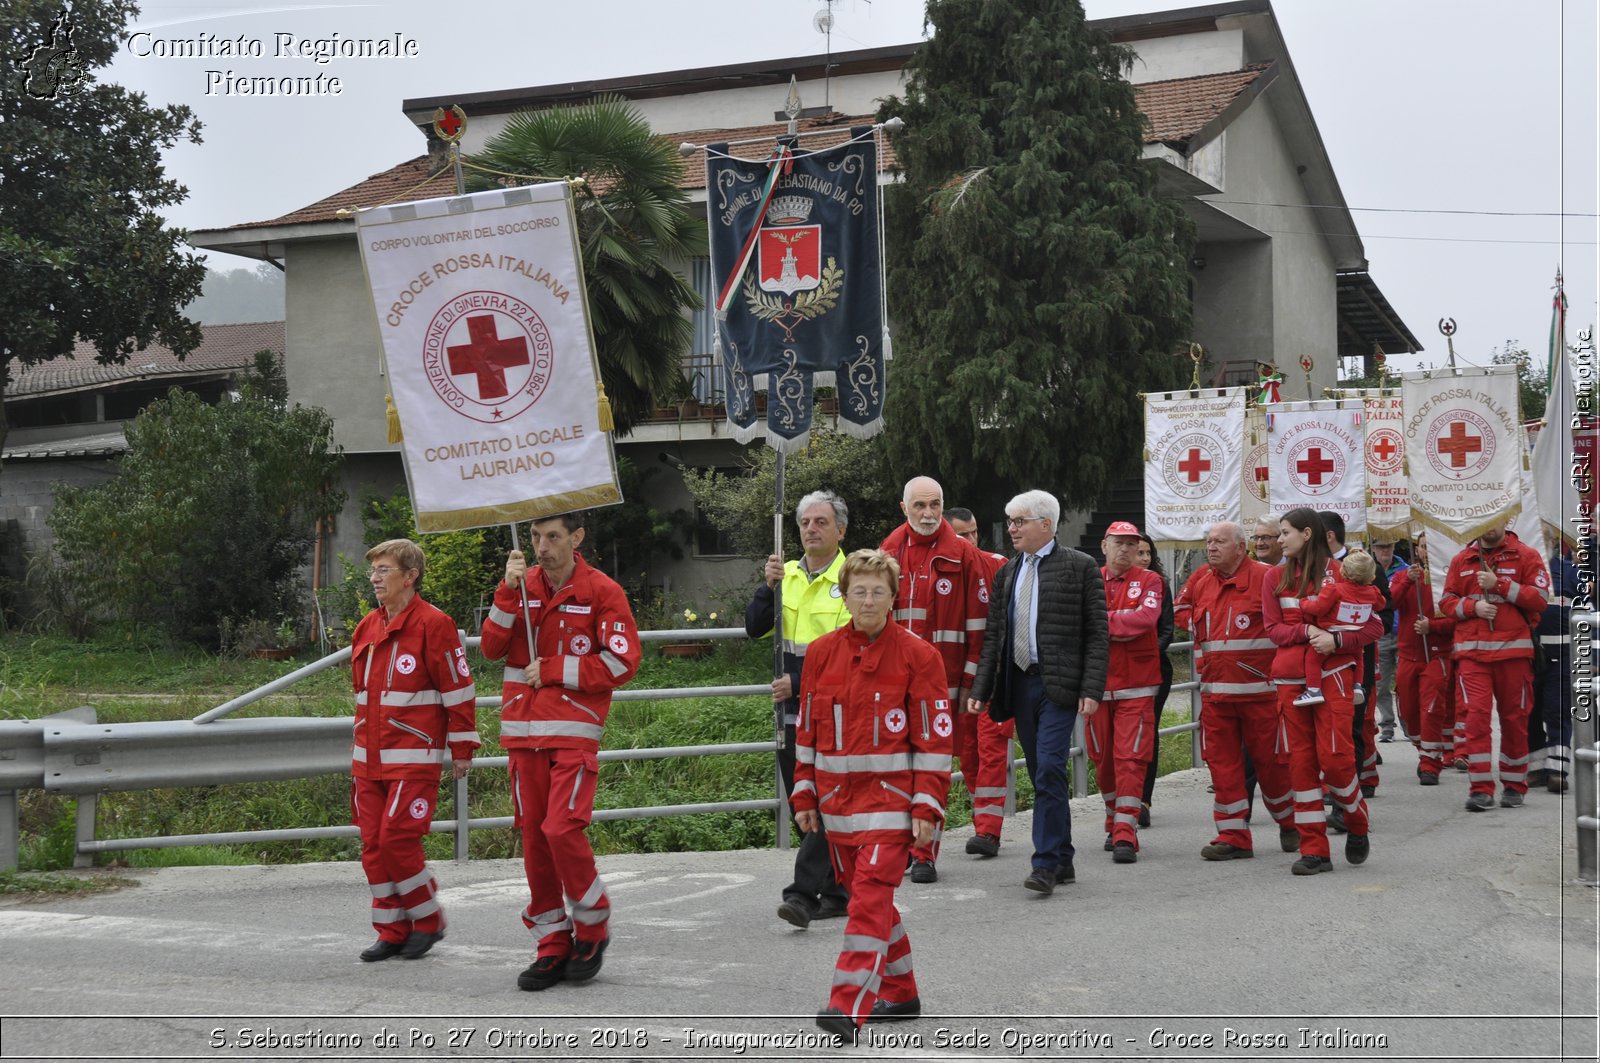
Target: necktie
1022	631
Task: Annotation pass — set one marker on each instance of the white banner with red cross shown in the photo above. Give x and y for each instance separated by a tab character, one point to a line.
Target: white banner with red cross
1194	444
1253	469
1463	445
1388	505
1316	458
486	336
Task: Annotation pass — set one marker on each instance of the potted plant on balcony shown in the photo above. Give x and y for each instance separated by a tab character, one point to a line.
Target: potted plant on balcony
689	646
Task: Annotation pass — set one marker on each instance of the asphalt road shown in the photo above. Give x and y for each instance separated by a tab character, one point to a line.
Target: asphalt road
1465	936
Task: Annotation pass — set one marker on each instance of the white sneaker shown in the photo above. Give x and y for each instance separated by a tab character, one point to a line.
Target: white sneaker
1312	696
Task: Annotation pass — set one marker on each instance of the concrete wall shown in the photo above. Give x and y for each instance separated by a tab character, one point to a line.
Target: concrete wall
332	342
1163	58
27	493
1233	304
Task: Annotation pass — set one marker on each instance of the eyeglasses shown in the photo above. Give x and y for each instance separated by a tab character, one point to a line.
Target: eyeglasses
382	571
863	594
1266	538
1017	522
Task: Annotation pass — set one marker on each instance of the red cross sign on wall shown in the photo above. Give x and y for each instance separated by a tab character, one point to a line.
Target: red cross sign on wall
1313	465
488	356
1459	445
1194	466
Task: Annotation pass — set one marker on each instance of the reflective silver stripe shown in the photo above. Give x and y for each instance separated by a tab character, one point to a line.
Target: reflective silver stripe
1345	791
1126	818
410	756
1129	801
971	668
1236	688
863	943
398	699
464	736
1308	795
359	754
1461	609
1513	776
569	672
1232	806
421	878
1280	814
977	623
1515	644
932	762
989	791
459	697
805	786
499	616
592	916
858	977
586	909
1288	603
948	636
867	821
795	649
1512	589
1237	644
844	764
550	728
1231	824
1309	816
805	754
911	614
361	697
1512	761
388	915
1131	693
613	663
931	802
900	966
427	907
382	889
515	675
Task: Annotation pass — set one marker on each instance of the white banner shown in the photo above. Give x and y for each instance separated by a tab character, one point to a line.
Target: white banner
1315	458
1253	469
1528	527
486	336
1463	449
1193	443
1556	458
1388	506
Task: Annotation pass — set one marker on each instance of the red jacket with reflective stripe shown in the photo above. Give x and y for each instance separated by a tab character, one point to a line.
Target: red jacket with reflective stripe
1224	615
872	745
943	600
1441	629
416	705
588	645
1521	590
1286	626
1133	608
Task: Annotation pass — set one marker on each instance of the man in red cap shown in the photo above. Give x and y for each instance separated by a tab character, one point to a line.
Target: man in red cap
1121	737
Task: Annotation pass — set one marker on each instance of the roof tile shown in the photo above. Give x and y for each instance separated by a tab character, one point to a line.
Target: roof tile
222	348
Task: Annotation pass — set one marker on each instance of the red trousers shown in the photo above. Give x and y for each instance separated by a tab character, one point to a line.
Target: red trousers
876	958
552	801
1422	689
1320	751
982	747
1119	739
1506	687
393	815
1228	727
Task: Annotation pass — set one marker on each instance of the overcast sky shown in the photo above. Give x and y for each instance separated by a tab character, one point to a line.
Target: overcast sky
1427	108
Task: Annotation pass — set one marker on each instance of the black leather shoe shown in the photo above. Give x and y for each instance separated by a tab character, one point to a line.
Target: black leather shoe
1124	853
1356	848
1041	880
418	944
381	949
1427	778
833	908
1369	790
1311	865
1065	874
1479	802
891	1011
543	973
1336	822
797	913
584	963
1110	845
836	1022
923	872
1224	851
985	845
1289	839
1510	799
1144	815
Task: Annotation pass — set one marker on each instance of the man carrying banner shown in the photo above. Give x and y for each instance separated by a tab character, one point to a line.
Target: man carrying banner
553	716
1221	606
813	605
1497	589
943	599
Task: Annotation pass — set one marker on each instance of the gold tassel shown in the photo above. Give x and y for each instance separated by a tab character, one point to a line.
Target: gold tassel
606	423
393	416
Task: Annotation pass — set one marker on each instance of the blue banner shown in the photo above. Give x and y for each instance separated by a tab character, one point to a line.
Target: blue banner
799	272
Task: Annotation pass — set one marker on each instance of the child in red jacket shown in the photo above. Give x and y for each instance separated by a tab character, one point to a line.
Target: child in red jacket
1346	604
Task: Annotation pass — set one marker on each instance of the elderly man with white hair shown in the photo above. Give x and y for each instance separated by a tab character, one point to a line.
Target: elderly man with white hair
1046	649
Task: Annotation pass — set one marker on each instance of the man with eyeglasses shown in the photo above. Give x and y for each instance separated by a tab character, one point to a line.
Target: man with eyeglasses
1265	541
1046	649
943	599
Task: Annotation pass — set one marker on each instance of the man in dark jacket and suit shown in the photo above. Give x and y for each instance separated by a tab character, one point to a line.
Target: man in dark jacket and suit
1045	651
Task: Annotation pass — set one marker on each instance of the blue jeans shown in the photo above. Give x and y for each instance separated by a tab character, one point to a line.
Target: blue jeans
1045	731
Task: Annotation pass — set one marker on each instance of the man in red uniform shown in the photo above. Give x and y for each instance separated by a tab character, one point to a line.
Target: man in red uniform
415	705
1119	736
1221	607
1422	673
982	746
1496	590
553	715
944	600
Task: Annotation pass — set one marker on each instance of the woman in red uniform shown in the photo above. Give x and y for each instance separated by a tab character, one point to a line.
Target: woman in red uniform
872	762
1318	736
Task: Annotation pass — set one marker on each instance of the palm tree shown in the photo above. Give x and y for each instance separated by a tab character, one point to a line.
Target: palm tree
634	222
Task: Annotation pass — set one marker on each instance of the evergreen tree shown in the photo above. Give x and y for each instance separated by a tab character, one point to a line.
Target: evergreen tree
1036	282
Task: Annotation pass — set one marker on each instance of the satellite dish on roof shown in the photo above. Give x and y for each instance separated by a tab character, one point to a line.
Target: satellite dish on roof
822	21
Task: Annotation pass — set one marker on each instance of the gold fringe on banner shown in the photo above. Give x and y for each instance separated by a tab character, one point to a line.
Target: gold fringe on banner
606	422
533	509
392	415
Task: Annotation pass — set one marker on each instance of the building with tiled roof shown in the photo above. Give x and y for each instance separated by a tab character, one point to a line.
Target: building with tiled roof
1279	269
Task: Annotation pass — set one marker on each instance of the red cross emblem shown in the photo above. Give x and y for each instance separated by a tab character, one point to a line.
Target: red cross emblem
1189	467
1384	448
1313	466
488	356
1194	465
1458	444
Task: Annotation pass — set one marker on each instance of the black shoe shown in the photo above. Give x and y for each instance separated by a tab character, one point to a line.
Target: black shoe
1480	802
923	872
584	963
1386	736
418	944
1556	783
1124	853
381	949
1144	815
1224	851
983	845
797	913
1461	763
1065	875
1110	845
1289	839
543	973
1311	865
1356	848
836	1022
1369	789
1538	777
1510	799
832	908
1427	778
1336	821
891	1011
1041	880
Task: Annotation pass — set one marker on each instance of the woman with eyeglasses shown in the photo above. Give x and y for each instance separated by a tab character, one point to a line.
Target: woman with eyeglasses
872	767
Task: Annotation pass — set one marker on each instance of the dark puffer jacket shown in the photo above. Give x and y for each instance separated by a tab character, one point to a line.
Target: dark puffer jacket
1074	639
